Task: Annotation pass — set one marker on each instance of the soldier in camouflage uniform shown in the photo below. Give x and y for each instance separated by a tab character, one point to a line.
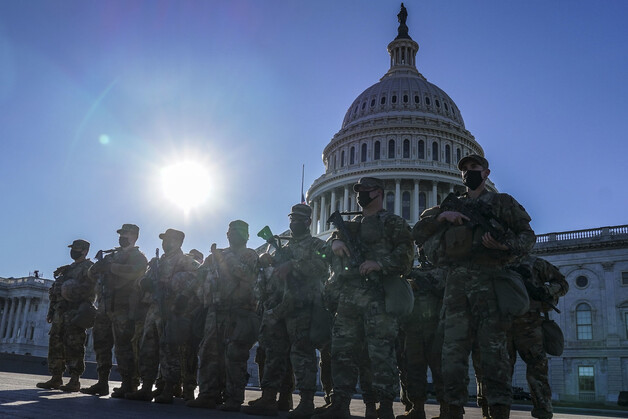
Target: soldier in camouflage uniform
545	285
169	282
72	290
231	325
117	273
362	316
422	339
475	249
301	269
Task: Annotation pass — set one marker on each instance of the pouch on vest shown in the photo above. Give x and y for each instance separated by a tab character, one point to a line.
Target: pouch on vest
458	242
434	247
85	315
553	339
398	295
511	293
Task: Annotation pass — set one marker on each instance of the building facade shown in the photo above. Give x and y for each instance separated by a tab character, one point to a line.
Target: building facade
23	308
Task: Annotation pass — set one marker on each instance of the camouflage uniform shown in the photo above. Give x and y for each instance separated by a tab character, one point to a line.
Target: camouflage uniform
361	318
231	325
526	333
287	319
117	274
168	278
422	339
472	315
67	341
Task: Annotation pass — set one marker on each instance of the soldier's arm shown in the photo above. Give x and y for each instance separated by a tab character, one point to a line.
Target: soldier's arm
557	285
399	260
427	226
520	238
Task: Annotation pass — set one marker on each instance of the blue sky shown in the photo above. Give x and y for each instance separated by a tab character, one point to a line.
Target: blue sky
97	97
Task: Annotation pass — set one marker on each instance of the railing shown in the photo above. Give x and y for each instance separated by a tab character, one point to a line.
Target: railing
583	234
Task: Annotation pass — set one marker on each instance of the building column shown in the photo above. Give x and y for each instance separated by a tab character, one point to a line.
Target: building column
25	317
398	197
451	188
415	202
313	227
323	216
11	315
434	194
345	199
4	320
332	203
16	322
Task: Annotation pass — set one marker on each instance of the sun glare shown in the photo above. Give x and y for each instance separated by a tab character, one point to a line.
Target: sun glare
186	184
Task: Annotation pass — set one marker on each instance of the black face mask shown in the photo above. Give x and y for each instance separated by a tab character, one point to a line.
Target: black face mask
472	179
364	198
236	239
298	228
124	241
169	246
76	254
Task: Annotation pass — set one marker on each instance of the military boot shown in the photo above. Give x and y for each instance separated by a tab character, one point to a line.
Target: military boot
499	411
177	391
305	409
417	412
101	388
72	386
385	410
443	412
167	394
540	413
126	387
454	412
203	400
231	405
483	404
144	394
265	406
54	383
338	409
284	404
370	410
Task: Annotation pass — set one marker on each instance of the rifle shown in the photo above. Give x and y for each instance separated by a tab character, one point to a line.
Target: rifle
355	254
158	290
478	213
103	256
275	241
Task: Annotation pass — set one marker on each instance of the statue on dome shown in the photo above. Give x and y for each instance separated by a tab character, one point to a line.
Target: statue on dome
403	28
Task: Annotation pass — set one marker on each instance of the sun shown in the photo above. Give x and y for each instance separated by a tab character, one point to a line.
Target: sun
187	184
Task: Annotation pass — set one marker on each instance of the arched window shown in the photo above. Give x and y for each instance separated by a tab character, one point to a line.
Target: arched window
421	149
363	153
376	151
422	202
352	156
435	151
405	205
405	98
584	322
383	100
390	202
447	154
427	100
342	159
391	149
406	149
458	155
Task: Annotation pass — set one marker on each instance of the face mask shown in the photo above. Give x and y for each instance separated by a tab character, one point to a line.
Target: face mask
236	239
169	246
124	241
298	228
472	179
364	198
76	254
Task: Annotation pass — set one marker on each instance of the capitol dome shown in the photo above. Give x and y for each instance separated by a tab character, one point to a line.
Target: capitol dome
404	130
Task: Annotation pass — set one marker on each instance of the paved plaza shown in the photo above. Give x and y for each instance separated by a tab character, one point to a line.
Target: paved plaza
19	398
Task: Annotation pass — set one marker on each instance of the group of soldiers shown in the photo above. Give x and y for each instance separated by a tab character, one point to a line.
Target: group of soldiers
377	318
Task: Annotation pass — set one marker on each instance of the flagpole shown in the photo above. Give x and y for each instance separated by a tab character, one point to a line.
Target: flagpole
302	177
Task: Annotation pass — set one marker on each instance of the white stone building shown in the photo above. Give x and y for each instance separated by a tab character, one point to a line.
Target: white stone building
23	308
